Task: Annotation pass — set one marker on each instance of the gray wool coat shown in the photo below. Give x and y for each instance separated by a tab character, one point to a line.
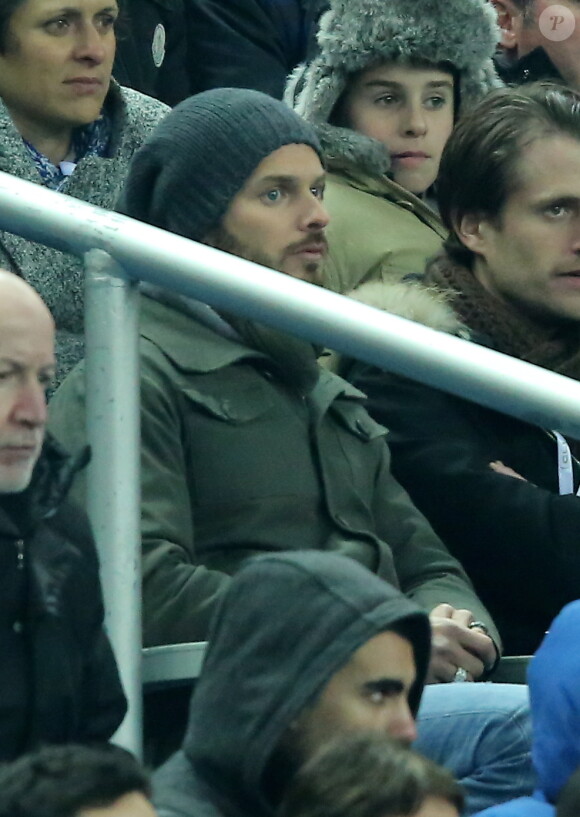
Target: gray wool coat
58	276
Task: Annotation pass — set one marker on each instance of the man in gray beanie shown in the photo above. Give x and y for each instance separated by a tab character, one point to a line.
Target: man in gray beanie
187	174
248	447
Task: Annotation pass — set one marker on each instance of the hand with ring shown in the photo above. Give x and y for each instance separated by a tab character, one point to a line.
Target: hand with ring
460	675
461	648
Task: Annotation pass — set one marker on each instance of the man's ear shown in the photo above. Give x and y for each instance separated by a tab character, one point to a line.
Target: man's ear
509	21
471	232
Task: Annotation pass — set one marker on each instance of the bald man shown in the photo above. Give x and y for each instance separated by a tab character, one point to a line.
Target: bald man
58	676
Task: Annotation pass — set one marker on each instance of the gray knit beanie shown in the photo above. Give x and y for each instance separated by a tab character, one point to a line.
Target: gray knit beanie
358	34
186	174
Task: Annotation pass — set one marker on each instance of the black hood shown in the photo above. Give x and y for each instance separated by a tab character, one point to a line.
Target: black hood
286	625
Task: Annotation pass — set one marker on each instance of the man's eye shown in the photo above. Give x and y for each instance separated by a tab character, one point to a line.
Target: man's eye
318	192
272	196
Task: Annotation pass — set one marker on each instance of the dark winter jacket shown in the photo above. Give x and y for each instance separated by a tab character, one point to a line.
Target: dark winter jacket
58	677
517	540
248	43
555	704
239	458
288	623
151	52
532	67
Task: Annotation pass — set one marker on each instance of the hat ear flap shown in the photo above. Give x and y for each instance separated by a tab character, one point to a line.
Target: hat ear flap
321	89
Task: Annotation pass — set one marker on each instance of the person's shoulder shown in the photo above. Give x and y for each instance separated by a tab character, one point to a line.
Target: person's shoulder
142	110
179	792
521	807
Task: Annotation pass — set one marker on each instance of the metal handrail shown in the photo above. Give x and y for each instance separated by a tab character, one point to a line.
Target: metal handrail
134	251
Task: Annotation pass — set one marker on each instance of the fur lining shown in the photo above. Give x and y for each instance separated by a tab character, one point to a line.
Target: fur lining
342	146
357	34
413	301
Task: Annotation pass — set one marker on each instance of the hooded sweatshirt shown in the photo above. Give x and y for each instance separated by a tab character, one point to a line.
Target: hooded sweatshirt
287	624
555	704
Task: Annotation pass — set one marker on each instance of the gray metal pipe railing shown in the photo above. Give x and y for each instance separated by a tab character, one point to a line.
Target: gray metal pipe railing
113	485
225	281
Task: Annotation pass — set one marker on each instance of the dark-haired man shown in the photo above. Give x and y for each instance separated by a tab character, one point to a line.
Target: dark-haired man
540	40
75	781
501	492
317	648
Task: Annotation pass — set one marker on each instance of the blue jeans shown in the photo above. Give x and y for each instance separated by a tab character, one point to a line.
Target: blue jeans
481	733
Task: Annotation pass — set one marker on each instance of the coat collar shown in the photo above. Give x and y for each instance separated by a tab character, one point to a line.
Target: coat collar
189	343
50	483
14	157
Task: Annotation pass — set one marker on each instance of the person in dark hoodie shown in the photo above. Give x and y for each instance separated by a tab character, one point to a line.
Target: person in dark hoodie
555	703
305	647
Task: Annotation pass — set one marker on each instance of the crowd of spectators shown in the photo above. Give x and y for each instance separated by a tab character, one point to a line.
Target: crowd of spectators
353	583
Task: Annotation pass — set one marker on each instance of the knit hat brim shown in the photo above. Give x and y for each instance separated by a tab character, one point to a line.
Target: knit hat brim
185	176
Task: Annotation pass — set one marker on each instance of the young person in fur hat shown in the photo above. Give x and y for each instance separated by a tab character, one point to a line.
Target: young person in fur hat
384	93
501	492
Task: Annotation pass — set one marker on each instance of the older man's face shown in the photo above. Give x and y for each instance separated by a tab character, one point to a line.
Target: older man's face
26	368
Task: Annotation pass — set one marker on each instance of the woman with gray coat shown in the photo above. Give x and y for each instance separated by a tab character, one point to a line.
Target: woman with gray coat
66	125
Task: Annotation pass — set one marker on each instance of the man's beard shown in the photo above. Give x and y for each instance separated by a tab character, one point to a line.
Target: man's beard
222	239
296	357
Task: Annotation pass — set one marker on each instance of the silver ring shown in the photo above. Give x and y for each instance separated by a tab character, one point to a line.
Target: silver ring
460	675
479	625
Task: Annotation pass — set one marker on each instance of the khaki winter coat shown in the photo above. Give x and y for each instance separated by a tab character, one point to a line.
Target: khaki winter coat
378	231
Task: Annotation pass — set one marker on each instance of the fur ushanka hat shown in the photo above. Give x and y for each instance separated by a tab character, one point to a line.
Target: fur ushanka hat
358	34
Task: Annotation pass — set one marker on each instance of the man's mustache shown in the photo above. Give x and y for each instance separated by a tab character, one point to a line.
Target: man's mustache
318	239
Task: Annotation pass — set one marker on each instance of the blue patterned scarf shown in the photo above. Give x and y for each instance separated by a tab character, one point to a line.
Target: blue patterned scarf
89	140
